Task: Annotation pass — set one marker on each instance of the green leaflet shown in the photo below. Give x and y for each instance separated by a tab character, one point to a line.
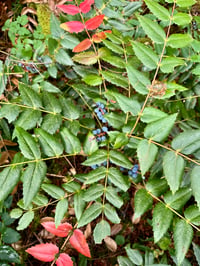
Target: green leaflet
182	19
54	191
79	204
25	220
162	218
90	144
183	234
127	104
143	202
51	123
63	58
117	179
187	142
115	61
51	103
152	29
90	214
146	55
179	40
71	186
69	109
40	200
115	79
138	80
157	186
195	184
32	180
185	3
123	261
92	80
10	112
8	254
56	31
9	177
16	213
169	63
50	145
93	192
27	144
113	197
71	143
151	114
192	214
131	7
173	167
101	230
61	209
116	120
97	157
159	11
134	255
28	119
29	96
179	198
113	47
47	86
146	153
111	213
95	175
120	159
160	129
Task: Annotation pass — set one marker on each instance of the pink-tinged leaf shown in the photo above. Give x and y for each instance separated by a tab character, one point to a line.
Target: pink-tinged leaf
78	241
82	46
69	9
64	260
72	26
62	230
85	6
94	23
99	36
44	252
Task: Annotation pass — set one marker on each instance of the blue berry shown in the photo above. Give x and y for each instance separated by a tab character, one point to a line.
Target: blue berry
98	104
130	172
134	175
105	163
94	132
104	129
94	166
98	138
98	130
104	120
101	105
122	168
103	138
96	110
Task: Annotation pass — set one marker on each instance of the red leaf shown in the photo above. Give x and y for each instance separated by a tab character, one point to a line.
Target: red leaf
62	230
94	23
78	241
99	36
64	260
85	6
44	252
69	9
82	46
72	26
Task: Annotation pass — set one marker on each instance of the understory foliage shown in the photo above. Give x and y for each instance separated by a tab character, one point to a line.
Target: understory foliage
112	91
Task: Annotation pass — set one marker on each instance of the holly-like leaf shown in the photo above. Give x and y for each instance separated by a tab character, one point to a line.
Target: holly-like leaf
32	179
82	46
86	58
158	10
101	230
25	220
143	202
61	209
162	217
179	198
71	143
195	184
85	6
69	9
183	234
179	40
72	26
94	23
64	260
99	36
62	230
173	166
90	214
43	252
146	152
78	241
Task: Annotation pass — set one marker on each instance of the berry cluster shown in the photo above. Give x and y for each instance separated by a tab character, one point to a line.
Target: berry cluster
28	67
100	133
100	111
95	166
134	171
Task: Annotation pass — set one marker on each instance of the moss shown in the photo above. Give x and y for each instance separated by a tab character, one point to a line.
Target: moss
44	14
